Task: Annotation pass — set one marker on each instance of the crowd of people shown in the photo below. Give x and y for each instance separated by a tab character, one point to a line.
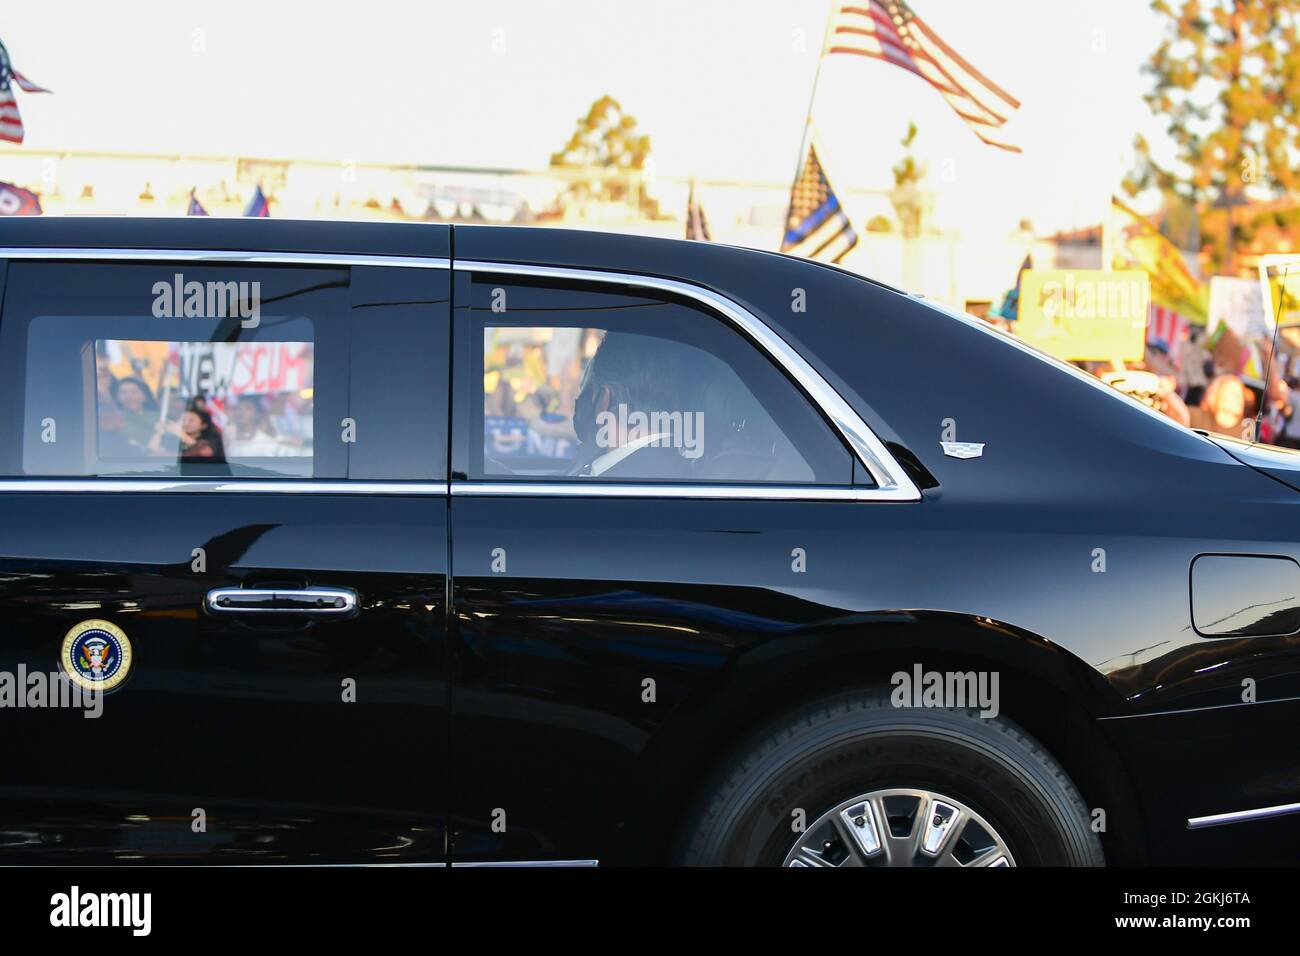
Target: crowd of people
1215	383
135	423
531	379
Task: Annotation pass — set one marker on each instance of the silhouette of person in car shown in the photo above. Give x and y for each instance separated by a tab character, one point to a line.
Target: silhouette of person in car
636	412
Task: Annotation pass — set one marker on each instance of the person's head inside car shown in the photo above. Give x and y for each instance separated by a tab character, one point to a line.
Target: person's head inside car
636	414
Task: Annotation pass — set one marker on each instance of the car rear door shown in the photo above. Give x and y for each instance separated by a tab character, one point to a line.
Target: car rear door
223	497
608	576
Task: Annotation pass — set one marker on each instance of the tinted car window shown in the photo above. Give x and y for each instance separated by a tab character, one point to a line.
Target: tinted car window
400	390
583	383
207	370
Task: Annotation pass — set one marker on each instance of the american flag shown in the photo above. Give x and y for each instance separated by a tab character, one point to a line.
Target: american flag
888	30
16	201
816	225
1168	328
11	123
697	226
258	206
195	207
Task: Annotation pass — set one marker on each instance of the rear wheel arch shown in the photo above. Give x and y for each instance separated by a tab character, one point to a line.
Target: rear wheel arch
1050	694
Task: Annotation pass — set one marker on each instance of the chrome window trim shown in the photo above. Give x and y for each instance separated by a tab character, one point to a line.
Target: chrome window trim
702	490
1242	816
892	482
568	489
226	256
220	485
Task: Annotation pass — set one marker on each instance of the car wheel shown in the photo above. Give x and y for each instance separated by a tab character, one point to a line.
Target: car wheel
851	780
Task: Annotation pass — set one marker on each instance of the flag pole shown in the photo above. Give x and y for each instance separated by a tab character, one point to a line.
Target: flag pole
807	120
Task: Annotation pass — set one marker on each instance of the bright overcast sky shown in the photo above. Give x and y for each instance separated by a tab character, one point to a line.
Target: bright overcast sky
718	84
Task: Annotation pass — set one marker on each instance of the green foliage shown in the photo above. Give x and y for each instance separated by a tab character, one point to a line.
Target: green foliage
1226	77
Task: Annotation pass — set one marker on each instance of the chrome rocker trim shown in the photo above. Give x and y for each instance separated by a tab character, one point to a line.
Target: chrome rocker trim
616	489
1242	816
532	864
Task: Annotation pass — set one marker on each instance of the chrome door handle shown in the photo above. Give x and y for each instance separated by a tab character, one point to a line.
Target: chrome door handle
311	602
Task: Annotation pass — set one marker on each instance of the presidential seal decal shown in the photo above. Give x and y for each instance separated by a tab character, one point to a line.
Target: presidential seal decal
96	655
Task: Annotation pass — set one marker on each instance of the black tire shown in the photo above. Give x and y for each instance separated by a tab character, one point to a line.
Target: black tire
838	747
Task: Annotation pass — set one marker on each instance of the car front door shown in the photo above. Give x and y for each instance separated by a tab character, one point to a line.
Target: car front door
223	511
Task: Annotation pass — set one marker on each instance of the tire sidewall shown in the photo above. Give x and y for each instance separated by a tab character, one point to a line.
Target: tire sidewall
942	751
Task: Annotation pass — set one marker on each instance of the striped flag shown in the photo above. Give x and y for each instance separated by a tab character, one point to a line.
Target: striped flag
16	201
1131	241
1010	308
11	123
888	30
1167	327
258	206
816	225
195	207
697	226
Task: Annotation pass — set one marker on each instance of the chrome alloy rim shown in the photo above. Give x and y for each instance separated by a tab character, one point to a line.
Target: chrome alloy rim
900	827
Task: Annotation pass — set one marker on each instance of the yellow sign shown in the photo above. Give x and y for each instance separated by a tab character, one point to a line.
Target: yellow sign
1085	314
1279	278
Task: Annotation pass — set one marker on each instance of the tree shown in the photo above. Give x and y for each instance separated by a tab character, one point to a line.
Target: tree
607	139
1226	77
911	204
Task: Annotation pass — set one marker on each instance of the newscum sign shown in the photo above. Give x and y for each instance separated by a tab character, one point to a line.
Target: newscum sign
1085	314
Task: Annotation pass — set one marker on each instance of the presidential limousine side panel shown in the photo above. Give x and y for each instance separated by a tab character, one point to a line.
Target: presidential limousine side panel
623	649
654	547
223	496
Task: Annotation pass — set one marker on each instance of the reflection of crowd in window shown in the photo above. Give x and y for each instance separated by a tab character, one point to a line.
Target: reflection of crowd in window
529	389
133	423
252	435
1216	384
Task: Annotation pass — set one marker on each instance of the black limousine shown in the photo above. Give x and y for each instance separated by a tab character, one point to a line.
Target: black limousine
422	544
